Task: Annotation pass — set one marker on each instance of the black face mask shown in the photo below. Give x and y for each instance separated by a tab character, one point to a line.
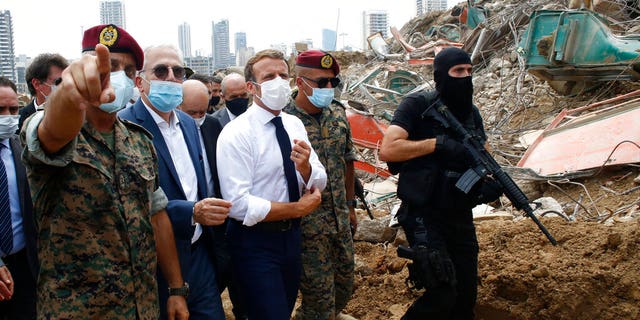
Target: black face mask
214	101
237	106
457	94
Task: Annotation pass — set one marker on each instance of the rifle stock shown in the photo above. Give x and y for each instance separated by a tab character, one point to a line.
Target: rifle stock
485	165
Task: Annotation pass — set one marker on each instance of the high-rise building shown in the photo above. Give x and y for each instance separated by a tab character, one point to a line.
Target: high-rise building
22	61
419	7
7	55
425	6
241	48
329	39
221	46
199	64
374	21
112	12
184	39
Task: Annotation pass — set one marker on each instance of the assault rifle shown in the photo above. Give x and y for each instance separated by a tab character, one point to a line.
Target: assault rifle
484	165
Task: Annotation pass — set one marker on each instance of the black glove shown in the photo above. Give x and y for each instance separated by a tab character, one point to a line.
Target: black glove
451	150
489	191
435	265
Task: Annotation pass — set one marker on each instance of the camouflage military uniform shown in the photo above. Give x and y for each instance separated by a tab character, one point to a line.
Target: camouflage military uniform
327	246
93	204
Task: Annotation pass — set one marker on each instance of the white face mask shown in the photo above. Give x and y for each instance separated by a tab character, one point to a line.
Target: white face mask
200	121
53	89
8	125
275	93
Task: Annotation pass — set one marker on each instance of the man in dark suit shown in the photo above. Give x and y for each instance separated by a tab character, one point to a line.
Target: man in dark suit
17	227
182	176
41	76
236	98
194	103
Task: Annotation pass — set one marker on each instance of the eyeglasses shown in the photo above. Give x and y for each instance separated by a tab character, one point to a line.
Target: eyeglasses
323	82
161	71
12	109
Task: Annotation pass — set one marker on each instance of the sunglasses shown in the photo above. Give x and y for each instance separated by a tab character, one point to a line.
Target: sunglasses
161	72
322	82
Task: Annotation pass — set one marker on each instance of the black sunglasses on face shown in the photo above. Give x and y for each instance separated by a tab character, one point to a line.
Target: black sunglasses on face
322	82
161	72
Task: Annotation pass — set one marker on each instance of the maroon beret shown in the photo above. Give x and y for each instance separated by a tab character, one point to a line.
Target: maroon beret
114	38
318	59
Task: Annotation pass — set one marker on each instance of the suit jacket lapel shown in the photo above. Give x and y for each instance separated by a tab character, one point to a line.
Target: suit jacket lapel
195	153
146	120
210	132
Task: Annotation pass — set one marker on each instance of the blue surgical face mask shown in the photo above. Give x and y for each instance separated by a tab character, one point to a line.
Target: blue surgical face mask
165	95
8	125
320	97
123	87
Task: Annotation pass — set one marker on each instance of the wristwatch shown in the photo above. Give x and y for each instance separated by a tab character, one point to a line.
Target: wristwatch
352	203
182	291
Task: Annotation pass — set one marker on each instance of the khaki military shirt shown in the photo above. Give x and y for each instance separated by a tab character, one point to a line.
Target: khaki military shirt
331	139
92	206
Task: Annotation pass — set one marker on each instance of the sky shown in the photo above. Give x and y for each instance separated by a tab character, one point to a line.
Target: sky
57	26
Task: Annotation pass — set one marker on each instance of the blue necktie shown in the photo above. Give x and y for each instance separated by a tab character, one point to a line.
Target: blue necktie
6	231
289	167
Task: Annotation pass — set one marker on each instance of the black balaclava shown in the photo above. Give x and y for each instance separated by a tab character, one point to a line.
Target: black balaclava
456	93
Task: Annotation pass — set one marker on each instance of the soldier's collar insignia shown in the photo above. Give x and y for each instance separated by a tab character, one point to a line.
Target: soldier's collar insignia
326	61
109	35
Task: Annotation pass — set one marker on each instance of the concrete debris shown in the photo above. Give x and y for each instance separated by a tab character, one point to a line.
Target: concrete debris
516	105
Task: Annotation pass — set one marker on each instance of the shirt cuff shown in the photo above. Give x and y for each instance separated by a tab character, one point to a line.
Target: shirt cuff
316	179
257	211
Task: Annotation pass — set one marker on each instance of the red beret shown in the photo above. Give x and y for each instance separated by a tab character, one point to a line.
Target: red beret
115	38
318	60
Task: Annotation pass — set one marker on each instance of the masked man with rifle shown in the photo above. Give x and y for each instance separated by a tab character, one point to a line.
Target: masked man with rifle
435	214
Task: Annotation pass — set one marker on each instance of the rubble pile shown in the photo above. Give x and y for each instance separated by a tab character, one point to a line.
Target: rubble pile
591	273
512	101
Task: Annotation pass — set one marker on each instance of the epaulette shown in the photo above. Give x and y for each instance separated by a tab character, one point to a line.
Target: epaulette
136	126
339	103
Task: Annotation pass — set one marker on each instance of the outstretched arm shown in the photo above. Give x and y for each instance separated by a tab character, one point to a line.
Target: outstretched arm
85	83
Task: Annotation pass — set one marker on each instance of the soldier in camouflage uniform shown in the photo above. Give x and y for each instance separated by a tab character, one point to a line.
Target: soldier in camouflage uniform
99	211
327	245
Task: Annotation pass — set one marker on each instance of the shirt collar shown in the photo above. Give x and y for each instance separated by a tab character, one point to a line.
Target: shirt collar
173	119
37	106
262	115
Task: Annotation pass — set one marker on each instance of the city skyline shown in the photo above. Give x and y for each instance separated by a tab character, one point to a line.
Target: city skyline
264	24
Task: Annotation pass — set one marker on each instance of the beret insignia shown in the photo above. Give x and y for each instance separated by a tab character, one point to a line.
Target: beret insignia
326	61
108	35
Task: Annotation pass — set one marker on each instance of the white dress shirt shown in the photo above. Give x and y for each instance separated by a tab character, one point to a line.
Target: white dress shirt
231	115
179	151
250	164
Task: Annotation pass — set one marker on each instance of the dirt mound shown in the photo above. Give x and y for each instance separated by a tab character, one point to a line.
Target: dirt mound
591	274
